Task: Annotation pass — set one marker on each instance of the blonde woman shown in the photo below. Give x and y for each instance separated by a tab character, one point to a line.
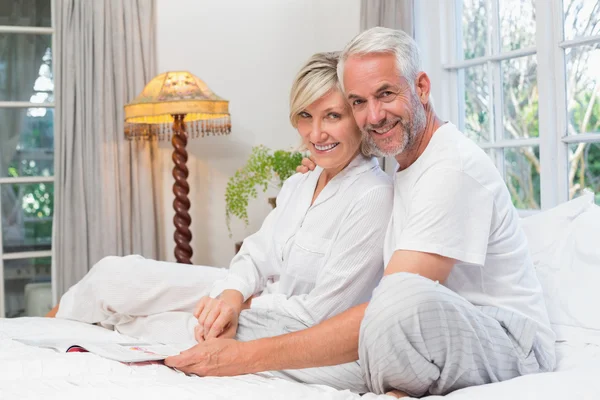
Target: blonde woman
316	255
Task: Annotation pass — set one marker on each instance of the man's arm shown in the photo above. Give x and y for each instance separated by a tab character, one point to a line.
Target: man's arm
335	341
331	342
428	265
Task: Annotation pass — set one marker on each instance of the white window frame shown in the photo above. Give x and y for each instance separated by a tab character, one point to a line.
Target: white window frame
29	179
440	60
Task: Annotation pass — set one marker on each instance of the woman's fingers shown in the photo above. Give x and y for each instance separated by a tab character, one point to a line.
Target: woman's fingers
200	306
226	318
210	303
199	334
211	317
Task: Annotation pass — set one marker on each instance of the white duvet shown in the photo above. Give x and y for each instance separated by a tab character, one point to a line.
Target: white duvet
33	373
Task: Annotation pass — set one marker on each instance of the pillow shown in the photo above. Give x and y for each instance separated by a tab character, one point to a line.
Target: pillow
565	249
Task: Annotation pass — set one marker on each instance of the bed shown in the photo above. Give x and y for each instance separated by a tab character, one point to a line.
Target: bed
565	246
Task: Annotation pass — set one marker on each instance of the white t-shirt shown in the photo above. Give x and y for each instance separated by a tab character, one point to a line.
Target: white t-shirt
452	201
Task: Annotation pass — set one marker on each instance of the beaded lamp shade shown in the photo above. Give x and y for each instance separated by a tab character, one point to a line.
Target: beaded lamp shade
151	114
175	106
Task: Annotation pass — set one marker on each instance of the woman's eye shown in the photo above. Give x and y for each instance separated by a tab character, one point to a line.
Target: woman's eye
334	116
304	114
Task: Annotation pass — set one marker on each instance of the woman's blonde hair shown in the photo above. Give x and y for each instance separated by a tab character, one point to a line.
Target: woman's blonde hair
317	77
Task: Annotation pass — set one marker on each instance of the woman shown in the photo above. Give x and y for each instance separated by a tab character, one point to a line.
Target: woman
318	253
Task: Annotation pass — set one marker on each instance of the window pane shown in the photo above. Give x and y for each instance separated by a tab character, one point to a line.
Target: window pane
520	97
474	28
494	154
584	169
582	18
517	24
27	211
26	68
477	103
25	13
522	173
27	287
27	143
583	89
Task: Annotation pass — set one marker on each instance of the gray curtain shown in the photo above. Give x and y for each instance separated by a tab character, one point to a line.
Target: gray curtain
106	188
395	14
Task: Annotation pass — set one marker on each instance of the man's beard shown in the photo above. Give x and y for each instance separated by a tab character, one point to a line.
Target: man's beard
411	129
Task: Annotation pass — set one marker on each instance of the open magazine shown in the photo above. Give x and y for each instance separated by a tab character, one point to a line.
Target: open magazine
123	352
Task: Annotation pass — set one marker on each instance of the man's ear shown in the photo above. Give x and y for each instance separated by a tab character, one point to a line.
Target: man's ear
423	87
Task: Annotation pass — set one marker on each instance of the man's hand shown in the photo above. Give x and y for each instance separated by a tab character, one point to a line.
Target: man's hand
307	165
218	317
219	357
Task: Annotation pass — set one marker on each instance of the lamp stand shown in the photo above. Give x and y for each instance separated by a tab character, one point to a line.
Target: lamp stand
181	189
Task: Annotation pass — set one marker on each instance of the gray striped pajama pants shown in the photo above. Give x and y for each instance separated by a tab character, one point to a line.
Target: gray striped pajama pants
416	336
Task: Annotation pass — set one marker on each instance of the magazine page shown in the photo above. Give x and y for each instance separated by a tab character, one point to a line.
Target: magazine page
123	352
130	352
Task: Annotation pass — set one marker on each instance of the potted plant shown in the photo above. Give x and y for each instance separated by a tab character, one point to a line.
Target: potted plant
265	168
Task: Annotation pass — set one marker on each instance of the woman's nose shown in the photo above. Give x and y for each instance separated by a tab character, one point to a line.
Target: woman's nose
317	135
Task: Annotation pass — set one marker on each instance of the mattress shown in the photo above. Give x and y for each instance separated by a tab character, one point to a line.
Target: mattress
34	373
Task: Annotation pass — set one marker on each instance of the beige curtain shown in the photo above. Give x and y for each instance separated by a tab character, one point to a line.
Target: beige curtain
107	193
395	14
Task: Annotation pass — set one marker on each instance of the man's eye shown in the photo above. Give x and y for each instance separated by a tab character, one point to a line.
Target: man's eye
303	114
386	93
357	102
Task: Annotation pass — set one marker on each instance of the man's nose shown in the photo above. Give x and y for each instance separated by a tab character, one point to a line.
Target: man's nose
375	114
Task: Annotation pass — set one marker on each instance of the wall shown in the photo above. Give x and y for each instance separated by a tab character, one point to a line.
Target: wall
247	52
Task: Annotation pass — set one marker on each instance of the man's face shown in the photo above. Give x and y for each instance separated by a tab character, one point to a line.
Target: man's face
385	105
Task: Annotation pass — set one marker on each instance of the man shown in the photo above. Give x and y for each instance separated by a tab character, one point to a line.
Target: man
459	303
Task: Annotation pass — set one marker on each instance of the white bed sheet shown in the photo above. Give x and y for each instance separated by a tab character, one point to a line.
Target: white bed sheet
33	373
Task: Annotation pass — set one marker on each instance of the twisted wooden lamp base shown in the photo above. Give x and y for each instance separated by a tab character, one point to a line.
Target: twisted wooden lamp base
181	189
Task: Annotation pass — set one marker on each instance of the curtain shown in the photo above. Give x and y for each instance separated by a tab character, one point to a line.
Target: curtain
107	189
20	60
395	14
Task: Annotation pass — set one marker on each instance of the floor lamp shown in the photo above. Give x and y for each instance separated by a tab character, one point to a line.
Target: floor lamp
175	106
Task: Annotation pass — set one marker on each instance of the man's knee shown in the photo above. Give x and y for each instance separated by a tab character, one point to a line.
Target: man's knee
403	295
391	336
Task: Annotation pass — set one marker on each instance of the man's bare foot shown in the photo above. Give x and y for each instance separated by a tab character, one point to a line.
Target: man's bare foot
397	394
52	313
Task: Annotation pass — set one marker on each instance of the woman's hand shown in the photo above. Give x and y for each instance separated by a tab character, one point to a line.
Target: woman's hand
307	165
218	317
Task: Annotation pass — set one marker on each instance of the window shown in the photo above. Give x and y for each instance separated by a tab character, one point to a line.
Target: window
26	156
527	78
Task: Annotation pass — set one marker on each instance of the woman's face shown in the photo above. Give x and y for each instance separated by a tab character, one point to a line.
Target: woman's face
329	132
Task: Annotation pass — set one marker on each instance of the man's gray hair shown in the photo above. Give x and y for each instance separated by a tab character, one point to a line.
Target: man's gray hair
384	40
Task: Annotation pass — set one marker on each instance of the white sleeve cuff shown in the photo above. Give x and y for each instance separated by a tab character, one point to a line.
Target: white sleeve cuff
231	282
